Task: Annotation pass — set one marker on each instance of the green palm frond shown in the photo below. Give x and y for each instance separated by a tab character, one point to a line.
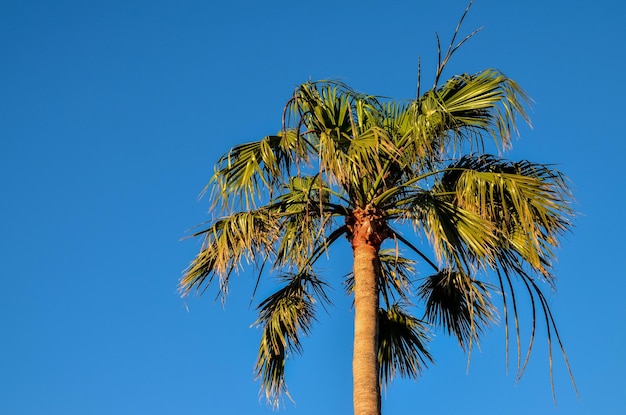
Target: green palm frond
402	344
459	236
306	219
527	202
486	102
249	170
459	304
228	242
346	129
284	316
322	107
287	231
330	105
462	111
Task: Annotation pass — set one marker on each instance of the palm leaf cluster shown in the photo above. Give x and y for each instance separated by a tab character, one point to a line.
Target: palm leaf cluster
417	166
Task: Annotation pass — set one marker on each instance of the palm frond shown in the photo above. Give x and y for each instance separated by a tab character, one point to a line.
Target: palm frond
459	236
402	344
463	111
306	219
350	135
397	276
487	101
253	169
228	242
513	266
284	316
459	304
528	203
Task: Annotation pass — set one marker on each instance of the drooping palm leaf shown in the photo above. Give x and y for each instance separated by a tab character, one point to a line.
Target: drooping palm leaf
305	215
512	270
228	243
463	111
527	202
460	237
284	316
402	344
459	304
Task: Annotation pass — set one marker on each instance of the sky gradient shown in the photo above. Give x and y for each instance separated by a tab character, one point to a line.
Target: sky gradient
112	115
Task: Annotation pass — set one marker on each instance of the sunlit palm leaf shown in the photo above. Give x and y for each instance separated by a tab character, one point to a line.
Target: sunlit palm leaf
345	128
464	110
250	170
306	219
230	241
529	205
527	202
460	237
284	316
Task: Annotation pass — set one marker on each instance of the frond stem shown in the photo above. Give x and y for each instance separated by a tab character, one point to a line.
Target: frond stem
414	249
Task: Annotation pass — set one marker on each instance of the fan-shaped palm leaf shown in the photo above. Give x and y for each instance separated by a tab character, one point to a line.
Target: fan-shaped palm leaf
402	344
284	316
251	169
459	304
242	237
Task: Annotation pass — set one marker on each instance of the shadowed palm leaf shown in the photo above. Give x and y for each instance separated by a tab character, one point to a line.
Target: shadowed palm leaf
402	344
458	304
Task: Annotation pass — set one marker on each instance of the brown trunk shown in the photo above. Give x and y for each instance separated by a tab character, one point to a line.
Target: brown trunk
365	359
366	234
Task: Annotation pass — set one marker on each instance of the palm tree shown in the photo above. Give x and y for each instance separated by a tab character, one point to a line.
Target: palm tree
347	165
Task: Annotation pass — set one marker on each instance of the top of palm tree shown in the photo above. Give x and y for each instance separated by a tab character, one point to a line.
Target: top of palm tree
343	157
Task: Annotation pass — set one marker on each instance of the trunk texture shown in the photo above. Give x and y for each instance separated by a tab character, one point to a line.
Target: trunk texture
365	359
366	234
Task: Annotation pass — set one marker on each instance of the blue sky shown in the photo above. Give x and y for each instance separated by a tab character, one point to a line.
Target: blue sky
111	118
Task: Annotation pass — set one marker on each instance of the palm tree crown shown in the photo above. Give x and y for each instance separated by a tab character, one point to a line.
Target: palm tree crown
355	166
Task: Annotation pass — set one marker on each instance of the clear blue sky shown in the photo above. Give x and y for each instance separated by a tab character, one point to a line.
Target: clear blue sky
112	114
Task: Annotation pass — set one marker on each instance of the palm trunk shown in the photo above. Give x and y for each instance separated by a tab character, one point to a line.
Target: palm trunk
365	359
